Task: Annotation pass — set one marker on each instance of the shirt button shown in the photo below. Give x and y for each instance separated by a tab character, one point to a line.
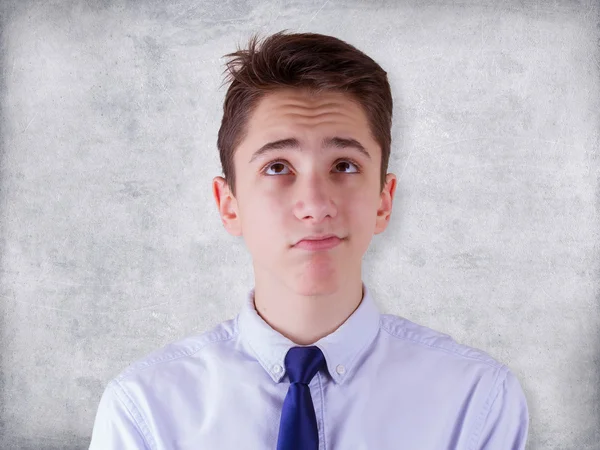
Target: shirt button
340	369
276	368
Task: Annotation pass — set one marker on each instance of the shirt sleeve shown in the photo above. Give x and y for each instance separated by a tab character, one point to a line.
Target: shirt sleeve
506	424
115	426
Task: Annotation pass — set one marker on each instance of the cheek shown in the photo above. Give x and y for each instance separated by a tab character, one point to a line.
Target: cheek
362	214
262	223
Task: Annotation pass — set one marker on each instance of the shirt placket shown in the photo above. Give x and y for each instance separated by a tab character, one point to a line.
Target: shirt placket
317	394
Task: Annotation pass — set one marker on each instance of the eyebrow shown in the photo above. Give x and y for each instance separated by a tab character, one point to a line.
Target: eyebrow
328	142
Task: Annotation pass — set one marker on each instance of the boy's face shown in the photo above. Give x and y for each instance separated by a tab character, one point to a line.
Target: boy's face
310	190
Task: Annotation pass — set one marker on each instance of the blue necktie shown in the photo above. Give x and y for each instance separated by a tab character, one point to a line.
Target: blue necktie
298	426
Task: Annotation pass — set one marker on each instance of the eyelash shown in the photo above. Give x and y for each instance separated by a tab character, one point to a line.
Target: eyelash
359	169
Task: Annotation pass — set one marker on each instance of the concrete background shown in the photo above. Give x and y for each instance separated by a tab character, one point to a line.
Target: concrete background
111	244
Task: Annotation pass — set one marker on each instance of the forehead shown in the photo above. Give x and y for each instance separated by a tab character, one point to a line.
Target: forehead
301	108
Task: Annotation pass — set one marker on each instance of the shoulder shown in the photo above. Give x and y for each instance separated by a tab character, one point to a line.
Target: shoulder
433	342
181	351
467	376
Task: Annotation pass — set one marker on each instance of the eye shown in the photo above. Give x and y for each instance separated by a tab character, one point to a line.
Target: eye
277	164
341	162
281	163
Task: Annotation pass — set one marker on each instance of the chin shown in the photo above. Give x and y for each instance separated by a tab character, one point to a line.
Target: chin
311	284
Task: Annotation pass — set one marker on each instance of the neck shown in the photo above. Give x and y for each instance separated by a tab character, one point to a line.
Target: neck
303	317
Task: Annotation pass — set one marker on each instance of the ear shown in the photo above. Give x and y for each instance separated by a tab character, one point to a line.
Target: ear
385	209
227	206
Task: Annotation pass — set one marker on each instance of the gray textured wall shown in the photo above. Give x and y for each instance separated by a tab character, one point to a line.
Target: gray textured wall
111	244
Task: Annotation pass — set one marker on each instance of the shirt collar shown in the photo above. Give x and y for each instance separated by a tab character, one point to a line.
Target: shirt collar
342	348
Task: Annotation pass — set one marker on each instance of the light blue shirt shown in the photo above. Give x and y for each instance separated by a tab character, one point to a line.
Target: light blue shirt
390	384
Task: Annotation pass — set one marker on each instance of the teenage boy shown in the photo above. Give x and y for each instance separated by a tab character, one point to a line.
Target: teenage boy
310	362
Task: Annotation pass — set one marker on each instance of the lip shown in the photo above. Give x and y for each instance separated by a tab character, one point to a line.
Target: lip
324	243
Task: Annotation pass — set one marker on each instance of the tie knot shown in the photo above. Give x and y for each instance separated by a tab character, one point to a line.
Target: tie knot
302	363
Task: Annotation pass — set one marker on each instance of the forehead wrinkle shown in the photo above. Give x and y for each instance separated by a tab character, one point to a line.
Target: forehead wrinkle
286	105
303	105
312	113
335	117
270	103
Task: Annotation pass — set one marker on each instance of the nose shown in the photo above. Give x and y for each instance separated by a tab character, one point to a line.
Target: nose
314	200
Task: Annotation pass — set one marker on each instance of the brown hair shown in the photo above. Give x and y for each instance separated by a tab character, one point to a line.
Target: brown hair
310	61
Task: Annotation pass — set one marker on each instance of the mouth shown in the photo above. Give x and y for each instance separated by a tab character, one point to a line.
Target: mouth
315	243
